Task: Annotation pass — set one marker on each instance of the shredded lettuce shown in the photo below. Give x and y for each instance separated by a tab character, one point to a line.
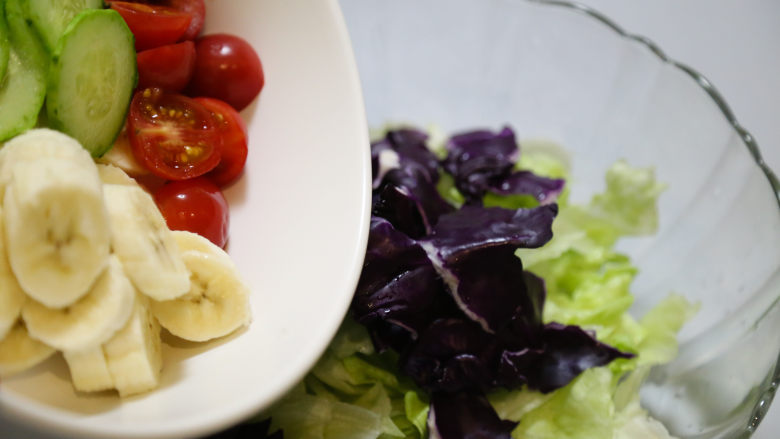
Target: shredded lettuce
588	284
351	393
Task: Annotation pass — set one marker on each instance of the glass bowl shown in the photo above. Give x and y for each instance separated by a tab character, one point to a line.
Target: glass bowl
561	71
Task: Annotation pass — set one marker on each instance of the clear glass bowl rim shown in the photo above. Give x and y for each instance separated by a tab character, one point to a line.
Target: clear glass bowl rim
767	393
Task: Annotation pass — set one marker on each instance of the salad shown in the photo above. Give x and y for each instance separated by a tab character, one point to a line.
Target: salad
489	305
120	126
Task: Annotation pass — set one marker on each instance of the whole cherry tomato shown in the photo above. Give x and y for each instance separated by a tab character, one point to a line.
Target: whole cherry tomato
153	25
172	135
226	68
197	206
233	146
169	67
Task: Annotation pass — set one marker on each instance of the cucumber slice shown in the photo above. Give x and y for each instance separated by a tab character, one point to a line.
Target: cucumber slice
91	79
23	90
24	39
51	17
5	43
21	98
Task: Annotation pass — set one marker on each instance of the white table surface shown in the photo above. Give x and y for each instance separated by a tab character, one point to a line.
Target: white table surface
736	45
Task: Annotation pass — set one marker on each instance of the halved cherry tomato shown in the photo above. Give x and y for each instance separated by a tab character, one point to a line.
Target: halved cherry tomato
153	25
226	68
172	135
196	8
169	67
233	146
195	205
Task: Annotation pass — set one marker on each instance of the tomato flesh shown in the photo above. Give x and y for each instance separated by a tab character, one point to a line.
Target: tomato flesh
169	67
233	141
197	206
226	68
172	135
153	25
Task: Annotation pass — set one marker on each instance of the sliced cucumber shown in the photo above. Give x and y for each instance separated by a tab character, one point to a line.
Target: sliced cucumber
24	39
24	87
91	79
5	43
21	98
51	17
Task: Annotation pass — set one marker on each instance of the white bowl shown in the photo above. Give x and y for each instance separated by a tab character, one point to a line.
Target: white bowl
298	234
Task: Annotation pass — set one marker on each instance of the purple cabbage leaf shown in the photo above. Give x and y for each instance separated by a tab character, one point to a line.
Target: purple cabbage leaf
482	162
444	288
405	173
409	201
465	416
403	149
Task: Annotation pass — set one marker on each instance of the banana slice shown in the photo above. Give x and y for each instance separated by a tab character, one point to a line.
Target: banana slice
121	156
217	304
11	295
110	174
39	143
188	241
144	244
19	352
11	302
56	226
89	322
89	370
134	354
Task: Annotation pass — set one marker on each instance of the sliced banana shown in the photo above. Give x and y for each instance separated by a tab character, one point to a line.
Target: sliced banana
19	351
40	143
89	370
217	304
110	174
121	156
56	228
11	295
90	321
11	302
144	244
188	241
134	354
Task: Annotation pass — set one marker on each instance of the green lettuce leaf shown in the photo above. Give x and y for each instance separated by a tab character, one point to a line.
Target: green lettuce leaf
589	284
582	409
351	393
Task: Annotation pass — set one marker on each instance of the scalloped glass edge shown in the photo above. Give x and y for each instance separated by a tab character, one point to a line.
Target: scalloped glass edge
761	407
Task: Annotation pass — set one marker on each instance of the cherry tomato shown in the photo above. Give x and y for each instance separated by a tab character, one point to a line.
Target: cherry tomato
226	68
195	205
153	25
169	67
233	146
196	8
172	135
